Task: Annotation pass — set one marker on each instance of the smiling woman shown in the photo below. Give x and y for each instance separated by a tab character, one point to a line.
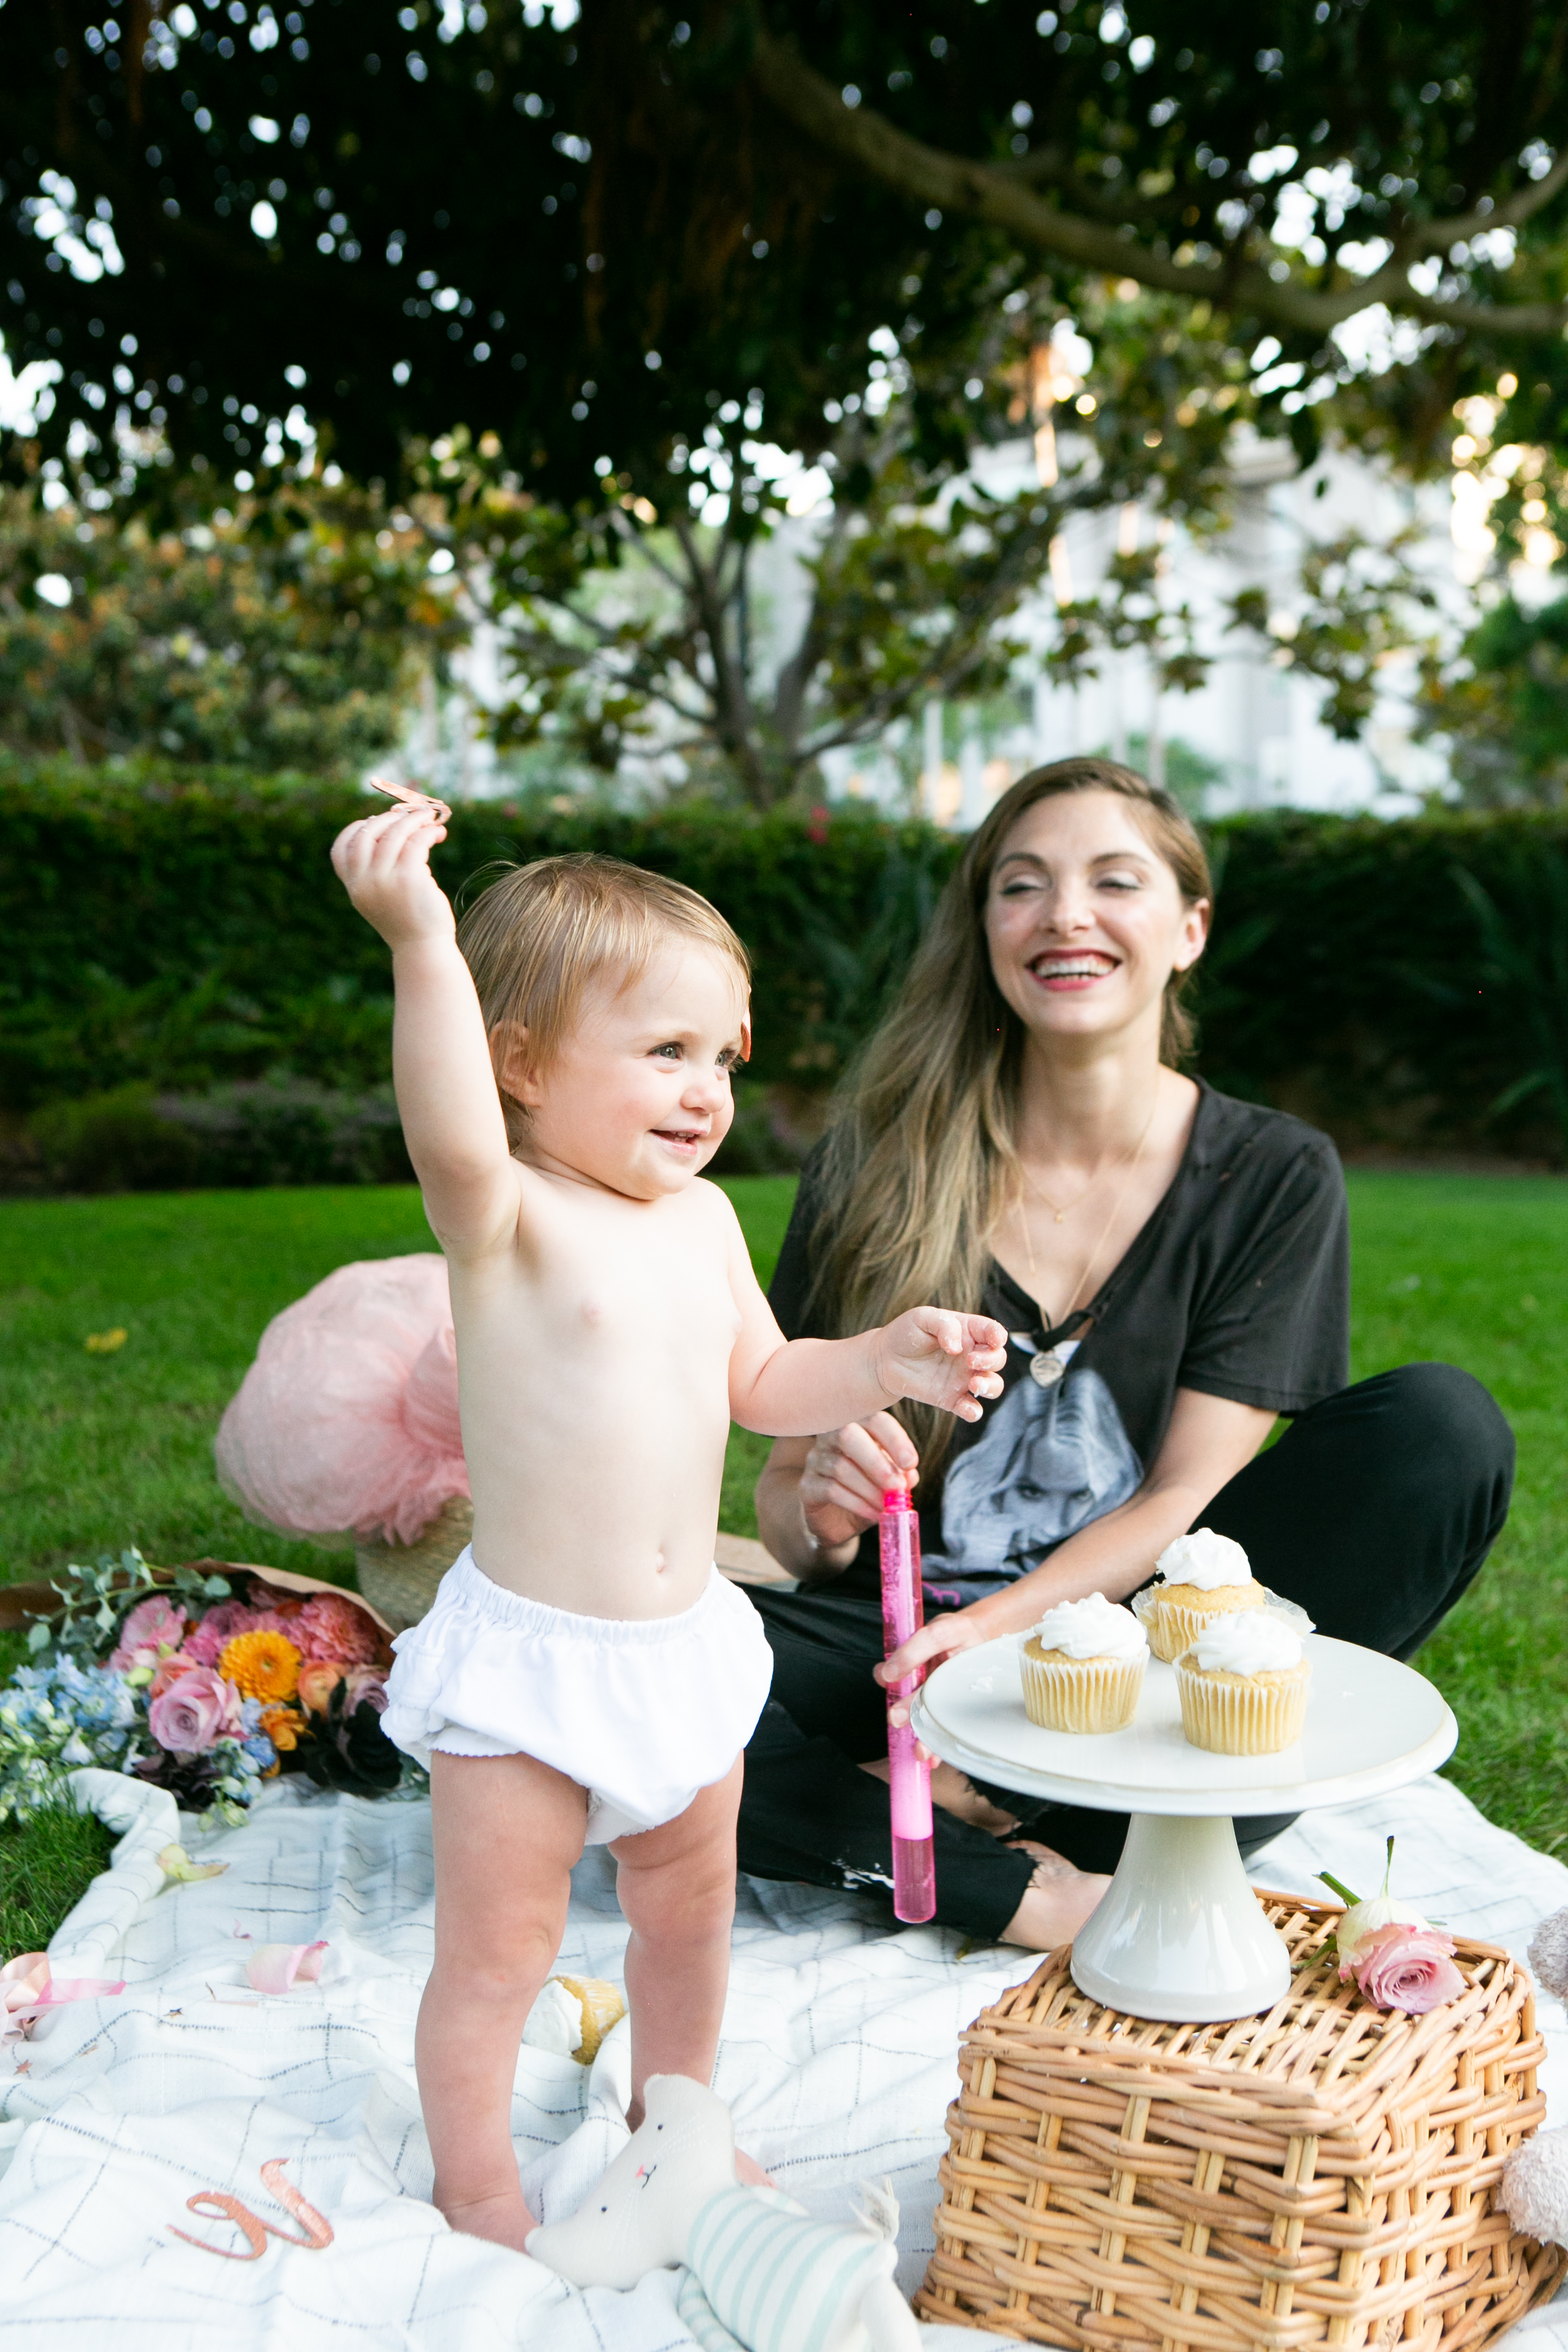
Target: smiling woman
1172	1268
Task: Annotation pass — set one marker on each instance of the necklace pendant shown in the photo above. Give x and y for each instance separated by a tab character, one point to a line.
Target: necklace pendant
1060	1214
1047	1368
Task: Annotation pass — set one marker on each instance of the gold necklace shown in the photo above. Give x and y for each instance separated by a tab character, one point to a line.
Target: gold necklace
1041	1194
1048	1365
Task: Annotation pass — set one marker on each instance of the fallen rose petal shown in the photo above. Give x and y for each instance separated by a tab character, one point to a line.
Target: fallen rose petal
177	1866
276	1968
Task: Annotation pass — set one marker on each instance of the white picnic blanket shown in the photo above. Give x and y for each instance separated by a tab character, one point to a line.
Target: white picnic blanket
838	2059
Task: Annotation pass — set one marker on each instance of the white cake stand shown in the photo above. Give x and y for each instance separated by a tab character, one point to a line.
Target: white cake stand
1181	1935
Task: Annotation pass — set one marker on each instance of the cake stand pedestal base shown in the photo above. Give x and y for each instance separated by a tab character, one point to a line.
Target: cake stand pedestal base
1180	1936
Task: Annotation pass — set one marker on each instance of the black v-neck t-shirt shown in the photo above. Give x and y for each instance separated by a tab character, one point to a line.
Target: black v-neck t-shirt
1237	1286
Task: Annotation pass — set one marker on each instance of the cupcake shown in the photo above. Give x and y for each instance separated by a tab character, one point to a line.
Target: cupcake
1203	1576
1243	1685
1083	1666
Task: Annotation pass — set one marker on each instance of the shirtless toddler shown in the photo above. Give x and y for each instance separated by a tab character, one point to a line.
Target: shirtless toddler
585	1675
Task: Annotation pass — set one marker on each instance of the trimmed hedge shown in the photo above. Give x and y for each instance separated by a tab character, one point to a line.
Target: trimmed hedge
188	933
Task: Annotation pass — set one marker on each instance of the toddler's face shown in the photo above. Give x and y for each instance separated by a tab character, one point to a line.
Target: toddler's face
638	1099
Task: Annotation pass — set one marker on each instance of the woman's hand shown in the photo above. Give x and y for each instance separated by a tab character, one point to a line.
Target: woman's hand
964	1629
940	1358
846	1473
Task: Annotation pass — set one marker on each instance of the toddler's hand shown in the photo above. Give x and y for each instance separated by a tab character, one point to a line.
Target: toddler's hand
943	1359
384	864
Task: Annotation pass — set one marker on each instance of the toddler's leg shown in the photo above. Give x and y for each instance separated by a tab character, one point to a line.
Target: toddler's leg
507	1831
676	1885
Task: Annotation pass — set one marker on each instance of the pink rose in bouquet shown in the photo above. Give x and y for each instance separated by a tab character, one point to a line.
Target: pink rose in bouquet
198	1709
154	1627
219	1626
1402	1967
168	1672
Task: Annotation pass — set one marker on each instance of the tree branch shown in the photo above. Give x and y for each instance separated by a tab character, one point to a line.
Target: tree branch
873	148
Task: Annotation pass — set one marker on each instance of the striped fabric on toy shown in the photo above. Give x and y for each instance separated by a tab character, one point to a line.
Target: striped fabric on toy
773	2278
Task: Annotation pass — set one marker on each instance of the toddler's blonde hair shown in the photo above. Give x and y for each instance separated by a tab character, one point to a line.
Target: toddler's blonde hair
537	940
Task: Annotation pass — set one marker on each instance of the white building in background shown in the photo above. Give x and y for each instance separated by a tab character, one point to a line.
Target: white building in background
1253	722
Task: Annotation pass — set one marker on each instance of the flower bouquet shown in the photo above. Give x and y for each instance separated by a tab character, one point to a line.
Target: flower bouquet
206	1680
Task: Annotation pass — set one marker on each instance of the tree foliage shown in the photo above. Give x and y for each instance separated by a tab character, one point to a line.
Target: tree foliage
583	236
285	635
1503	705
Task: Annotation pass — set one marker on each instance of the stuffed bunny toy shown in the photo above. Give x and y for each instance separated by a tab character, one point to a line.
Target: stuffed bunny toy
762	2275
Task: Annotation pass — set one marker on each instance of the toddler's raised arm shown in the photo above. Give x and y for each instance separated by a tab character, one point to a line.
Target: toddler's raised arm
797	1388
452	1118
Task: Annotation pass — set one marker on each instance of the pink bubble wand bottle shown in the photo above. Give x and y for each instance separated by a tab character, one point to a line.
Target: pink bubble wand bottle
903	1613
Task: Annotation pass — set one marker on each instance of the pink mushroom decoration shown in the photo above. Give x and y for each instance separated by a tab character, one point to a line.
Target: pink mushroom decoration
348	1418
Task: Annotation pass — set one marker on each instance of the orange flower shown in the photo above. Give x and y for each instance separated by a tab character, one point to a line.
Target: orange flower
283	1728
318	1679
261	1665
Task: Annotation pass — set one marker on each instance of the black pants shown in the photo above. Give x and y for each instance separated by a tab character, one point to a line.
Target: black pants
1374	1511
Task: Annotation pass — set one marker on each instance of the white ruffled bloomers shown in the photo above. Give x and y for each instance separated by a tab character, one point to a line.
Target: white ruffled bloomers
641	1712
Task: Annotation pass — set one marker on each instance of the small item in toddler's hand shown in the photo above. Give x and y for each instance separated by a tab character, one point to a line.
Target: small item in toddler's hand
411	798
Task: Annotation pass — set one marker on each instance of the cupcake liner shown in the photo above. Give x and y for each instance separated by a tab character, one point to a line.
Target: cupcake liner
1243	1715
1063	1694
1173	1628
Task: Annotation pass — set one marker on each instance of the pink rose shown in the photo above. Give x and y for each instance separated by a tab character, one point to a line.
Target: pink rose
200	1708
1399	1967
169	1670
155	1625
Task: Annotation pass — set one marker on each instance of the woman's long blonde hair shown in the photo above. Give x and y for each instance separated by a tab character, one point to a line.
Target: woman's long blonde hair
921	1161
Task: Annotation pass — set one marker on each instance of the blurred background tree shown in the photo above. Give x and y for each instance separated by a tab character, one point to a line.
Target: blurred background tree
1503	705
653	259
325	207
289	633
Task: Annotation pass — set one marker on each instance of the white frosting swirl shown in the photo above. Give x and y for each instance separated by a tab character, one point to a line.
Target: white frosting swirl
1092	1628
1205	1560
1247	1641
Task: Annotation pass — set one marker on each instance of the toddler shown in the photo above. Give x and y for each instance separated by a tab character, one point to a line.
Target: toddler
585	1675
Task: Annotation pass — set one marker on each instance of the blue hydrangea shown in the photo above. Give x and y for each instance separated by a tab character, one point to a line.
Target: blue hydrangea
53	1718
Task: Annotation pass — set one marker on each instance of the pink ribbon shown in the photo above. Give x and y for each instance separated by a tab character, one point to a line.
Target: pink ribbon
220	2206
26	1990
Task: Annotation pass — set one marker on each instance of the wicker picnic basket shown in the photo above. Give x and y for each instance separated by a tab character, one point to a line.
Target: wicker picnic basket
1324	2174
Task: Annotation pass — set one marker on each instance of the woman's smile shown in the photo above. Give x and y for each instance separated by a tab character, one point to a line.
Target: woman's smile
1069	971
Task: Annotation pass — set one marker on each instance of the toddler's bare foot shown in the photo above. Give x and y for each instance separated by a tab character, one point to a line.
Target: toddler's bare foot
749	2173
1057	1902
503	2218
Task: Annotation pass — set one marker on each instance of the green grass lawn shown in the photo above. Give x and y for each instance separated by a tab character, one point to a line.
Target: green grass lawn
99	1451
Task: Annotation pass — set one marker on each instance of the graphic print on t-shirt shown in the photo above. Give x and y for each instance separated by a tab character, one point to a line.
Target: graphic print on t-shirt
1044	1462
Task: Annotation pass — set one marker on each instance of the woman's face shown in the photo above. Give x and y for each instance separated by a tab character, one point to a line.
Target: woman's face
1085	921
